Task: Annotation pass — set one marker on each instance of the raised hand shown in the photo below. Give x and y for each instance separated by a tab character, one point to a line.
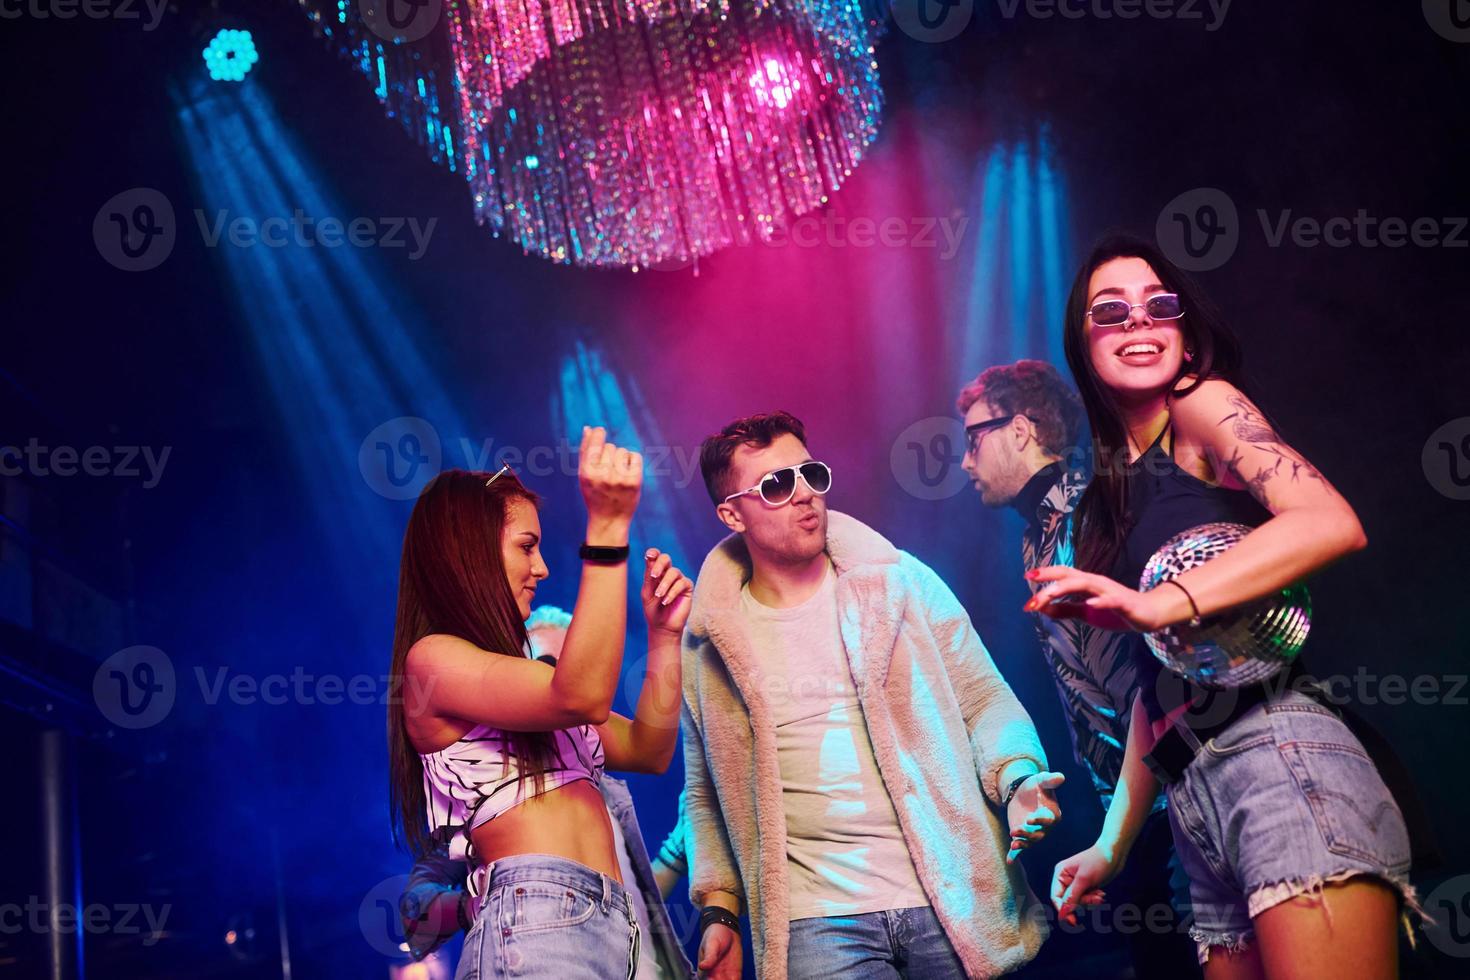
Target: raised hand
667	593
612	480
1032	810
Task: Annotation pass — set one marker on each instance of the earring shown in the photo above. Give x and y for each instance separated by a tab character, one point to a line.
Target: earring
1188	355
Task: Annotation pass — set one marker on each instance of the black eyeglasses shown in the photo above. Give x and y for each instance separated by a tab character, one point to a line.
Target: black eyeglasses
1111	312
779	486
974	433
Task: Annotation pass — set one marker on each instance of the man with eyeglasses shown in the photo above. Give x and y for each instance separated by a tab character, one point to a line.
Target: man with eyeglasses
859	776
1021	422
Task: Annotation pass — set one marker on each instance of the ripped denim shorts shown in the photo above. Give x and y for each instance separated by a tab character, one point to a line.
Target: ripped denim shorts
1280	804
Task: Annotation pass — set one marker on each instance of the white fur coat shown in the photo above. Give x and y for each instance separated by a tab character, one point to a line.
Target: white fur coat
943	723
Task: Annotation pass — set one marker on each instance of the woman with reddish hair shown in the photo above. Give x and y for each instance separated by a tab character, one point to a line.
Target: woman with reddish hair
504	753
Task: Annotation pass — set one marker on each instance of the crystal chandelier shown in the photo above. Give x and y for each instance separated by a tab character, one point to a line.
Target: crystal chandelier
623	133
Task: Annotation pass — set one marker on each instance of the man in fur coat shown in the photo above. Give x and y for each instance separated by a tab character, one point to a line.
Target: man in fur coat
860	778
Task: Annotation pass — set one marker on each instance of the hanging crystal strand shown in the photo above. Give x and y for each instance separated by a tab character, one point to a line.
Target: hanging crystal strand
414	80
622	133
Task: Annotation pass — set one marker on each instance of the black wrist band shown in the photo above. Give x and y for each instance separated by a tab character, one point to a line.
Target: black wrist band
1194	620
1015	785
713	913
603	555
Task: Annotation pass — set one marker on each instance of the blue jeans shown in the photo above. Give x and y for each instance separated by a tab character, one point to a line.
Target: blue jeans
900	943
1280	804
545	916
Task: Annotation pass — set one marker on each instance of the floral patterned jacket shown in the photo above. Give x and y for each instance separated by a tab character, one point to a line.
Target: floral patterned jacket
1094	672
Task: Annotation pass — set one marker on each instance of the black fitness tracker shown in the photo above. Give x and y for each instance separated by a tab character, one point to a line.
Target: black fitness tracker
603	555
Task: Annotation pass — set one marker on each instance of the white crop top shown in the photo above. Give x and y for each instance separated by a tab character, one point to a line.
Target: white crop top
469	783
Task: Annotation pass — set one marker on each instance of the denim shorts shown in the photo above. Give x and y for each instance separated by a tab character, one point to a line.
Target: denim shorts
545	916
1282	803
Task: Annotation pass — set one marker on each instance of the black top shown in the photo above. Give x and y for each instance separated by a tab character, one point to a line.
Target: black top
1164	500
1028	499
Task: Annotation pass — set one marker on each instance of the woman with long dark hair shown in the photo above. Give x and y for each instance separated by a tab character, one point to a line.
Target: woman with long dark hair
1297	854
504	753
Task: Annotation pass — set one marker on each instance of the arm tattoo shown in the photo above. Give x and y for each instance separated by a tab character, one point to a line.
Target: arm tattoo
1249	425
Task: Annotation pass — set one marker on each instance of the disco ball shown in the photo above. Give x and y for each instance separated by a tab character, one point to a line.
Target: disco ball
1236	648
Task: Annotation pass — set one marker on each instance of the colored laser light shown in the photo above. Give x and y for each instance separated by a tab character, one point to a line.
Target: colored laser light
230	55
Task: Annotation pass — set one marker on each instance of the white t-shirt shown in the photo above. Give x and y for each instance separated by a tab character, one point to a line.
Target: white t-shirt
845	850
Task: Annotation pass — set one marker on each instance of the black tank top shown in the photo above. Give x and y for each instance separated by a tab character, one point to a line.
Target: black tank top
1164	500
